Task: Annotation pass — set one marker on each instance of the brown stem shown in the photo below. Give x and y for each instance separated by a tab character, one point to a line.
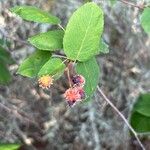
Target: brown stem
69	78
132	4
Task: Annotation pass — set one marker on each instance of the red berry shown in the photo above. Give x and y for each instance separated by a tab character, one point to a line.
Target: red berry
81	92
72	95
78	80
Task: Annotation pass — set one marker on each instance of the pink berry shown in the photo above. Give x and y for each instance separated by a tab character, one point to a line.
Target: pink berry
72	95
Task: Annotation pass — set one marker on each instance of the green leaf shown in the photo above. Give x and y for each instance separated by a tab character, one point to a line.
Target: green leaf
140	123
90	70
142	105
140	116
145	20
103	47
59	73
5	56
52	67
51	40
5	76
9	146
81	39
31	13
31	66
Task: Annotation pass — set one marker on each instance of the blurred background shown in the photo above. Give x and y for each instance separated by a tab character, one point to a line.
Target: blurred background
40	119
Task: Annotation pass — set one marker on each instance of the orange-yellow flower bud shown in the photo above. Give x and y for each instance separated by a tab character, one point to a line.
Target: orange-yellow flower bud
45	81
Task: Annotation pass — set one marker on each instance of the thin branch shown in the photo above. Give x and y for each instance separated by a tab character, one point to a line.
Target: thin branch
69	78
132	4
61	27
122	116
59	56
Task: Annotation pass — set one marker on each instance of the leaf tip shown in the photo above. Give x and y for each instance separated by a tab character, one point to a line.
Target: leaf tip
15	9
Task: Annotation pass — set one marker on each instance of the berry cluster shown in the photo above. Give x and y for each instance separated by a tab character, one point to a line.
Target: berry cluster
76	92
